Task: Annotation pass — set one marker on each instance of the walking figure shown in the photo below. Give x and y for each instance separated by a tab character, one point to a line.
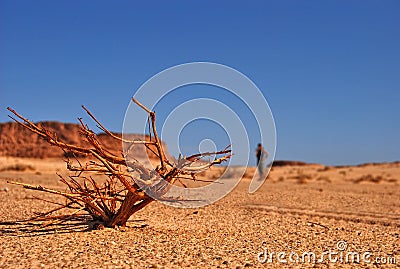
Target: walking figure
261	155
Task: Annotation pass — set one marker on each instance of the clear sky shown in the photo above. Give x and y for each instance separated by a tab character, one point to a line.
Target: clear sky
330	70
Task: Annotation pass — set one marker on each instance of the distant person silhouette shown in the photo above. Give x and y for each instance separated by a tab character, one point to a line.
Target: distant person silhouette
261	155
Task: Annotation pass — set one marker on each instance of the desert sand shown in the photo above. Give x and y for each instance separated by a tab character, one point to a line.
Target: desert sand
298	209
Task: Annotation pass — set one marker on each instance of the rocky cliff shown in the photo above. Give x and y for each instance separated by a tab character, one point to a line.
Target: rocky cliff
16	141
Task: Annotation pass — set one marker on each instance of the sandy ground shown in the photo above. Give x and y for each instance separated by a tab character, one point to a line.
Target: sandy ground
298	209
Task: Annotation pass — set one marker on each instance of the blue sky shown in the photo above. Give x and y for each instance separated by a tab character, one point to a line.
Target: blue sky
330	70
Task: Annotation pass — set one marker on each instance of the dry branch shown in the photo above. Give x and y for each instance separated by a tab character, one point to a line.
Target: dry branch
125	186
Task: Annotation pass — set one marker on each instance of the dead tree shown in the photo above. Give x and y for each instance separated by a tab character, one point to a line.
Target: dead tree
126	185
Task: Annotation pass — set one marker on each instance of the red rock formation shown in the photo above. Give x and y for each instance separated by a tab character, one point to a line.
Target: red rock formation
16	141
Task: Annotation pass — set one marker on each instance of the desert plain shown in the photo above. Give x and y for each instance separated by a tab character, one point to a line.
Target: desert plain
300	208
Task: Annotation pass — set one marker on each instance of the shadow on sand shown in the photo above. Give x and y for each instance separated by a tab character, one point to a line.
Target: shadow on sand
39	228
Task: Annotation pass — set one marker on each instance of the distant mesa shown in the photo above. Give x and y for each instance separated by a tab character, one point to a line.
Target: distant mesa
17	141
289	163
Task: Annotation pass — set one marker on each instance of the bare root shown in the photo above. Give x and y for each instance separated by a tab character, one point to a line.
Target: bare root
109	188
